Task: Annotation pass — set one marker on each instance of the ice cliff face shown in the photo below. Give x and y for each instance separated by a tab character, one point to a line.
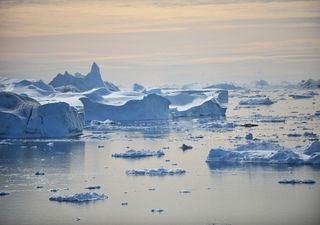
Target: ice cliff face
24	117
151	107
81	83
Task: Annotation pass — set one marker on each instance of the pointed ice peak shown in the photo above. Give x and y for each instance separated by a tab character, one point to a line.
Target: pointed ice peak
95	68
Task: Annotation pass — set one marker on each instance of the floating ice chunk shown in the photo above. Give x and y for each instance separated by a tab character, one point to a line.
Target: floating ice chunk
218	124
222	96
256	101
151	107
309	84
263	152
156	172
296	181
138	154
78	198
271	120
93	187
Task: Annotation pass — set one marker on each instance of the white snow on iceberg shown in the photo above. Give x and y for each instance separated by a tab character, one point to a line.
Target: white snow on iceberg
24	117
262	152
156	172
138	154
78	198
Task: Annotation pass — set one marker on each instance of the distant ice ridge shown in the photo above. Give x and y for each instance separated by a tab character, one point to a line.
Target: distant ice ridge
78	198
31	88
24	117
266	152
79	83
150	107
256	101
156	172
138	154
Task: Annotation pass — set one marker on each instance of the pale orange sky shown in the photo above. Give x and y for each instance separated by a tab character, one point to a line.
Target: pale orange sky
159	42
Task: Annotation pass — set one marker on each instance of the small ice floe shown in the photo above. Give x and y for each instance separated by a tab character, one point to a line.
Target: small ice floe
256	101
267	153
185	191
249	136
50	144
79	197
156	172
2	193
296	181
39	173
93	187
157	210
271	120
138	154
185	147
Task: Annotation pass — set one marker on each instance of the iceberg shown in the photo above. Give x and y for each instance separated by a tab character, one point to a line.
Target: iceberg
138	88
256	101
156	172
138	154
79	198
265	153
24	117
309	84
79	83
150	107
208	107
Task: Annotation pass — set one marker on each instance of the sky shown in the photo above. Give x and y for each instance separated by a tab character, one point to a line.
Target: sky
162	42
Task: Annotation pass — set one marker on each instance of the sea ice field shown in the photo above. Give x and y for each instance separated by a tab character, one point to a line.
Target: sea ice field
205	155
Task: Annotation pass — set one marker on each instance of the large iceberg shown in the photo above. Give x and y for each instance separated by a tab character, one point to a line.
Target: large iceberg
266	152
24	117
78	82
150	107
79	198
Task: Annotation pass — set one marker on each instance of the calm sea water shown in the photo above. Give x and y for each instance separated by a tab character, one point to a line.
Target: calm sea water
220	194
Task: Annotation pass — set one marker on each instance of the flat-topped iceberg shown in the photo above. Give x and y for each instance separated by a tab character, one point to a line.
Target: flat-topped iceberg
150	107
265	153
256	101
79	197
156	172
138	154
24	117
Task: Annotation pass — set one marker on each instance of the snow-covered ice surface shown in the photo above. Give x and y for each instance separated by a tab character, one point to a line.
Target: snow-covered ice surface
208	193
